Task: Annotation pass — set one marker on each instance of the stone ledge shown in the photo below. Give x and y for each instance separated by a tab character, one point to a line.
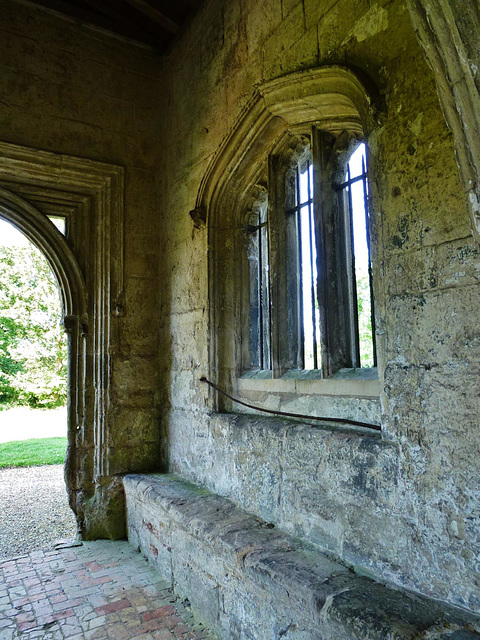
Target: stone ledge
346	386
247	579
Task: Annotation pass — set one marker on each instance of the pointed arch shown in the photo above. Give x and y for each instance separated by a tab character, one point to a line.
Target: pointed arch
73	294
45	236
331	99
89	267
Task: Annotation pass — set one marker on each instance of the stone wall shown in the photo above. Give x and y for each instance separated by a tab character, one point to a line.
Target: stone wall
248	579
71	90
407	511
404	507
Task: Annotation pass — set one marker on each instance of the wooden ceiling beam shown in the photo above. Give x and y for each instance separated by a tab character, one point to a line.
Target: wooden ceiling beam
191	4
108	8
79	11
169	22
176	10
123	12
149	22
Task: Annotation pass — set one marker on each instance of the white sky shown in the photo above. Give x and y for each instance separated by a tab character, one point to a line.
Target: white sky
11	237
359	239
358	203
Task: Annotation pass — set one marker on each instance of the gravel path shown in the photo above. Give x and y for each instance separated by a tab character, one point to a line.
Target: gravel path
34	511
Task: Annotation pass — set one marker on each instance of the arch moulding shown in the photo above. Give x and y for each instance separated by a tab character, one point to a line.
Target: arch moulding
89	267
330	98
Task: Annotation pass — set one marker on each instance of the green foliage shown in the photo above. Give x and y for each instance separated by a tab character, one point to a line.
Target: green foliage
364	321
29	453
32	343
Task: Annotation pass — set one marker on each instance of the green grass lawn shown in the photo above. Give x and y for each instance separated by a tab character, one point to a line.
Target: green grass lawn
28	453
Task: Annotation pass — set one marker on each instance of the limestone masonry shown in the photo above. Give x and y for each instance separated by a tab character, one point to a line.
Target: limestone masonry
159	162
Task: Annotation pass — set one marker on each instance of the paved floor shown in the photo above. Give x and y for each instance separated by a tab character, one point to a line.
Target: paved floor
98	591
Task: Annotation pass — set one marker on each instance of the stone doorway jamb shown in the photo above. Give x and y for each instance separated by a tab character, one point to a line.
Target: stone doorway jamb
89	266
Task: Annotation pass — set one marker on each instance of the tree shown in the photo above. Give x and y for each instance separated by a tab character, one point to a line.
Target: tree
32	343
365	334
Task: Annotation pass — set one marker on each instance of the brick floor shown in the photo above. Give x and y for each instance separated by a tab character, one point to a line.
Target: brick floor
98	591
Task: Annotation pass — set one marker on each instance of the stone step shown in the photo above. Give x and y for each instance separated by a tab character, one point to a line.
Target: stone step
247	579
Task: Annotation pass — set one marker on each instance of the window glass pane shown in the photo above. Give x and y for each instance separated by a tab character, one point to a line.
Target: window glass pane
359	202
308	258
59	222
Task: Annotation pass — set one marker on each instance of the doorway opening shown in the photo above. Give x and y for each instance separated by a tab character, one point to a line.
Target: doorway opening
88	264
34	510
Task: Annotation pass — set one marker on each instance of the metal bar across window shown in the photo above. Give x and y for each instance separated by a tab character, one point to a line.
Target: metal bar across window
354	282
260	291
312	278
343	185
370	278
299	206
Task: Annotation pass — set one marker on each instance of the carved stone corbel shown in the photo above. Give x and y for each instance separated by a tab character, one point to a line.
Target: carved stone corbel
199	217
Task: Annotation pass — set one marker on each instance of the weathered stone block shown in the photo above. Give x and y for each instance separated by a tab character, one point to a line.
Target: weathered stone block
249	580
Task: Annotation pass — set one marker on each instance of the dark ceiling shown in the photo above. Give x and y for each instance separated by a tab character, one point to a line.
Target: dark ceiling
150	22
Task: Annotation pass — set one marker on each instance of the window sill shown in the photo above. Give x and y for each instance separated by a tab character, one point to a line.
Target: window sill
358	383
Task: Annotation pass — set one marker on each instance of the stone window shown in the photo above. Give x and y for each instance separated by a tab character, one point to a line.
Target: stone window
259	284
353	193
282	277
321	307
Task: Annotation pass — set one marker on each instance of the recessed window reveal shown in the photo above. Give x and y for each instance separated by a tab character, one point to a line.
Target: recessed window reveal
259	289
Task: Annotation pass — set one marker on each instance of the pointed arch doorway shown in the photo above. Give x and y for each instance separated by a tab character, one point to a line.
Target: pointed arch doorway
88	266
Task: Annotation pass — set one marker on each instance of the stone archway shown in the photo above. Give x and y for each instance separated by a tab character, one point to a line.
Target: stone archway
45	236
88	265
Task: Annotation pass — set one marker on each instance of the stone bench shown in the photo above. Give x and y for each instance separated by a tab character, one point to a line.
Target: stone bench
247	579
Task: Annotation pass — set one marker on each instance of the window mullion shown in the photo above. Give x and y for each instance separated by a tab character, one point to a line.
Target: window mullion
320	182
370	275
353	283
279	343
313	293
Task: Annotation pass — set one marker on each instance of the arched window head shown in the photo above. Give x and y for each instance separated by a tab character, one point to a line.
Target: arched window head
280	273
